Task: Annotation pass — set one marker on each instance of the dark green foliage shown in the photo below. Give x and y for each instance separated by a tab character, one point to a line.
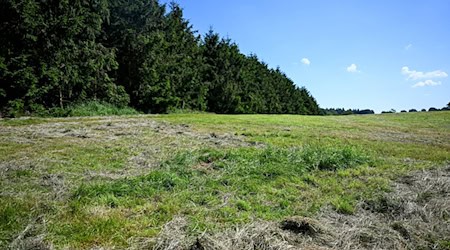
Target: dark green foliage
52	57
223	67
93	108
242	84
139	53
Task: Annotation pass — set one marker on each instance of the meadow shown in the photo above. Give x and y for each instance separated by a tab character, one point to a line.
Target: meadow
207	181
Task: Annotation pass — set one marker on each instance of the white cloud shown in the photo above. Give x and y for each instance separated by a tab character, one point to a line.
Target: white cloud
306	61
415	75
426	83
352	68
409	46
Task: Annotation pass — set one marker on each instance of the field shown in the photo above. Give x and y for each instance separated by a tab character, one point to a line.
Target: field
205	181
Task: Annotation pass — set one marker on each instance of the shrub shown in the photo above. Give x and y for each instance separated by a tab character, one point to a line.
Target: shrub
94	108
15	108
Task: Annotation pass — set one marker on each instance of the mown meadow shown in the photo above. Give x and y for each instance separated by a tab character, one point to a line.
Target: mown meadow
115	182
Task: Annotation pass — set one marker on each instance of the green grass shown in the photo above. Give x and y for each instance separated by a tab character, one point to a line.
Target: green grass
14	213
220	188
126	177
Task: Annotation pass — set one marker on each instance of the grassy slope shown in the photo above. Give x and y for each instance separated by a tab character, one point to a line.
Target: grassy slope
100	181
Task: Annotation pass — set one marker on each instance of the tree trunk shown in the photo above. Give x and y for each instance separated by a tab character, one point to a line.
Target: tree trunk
61	98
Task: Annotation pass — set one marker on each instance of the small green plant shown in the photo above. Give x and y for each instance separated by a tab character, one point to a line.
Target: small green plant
343	205
444	244
243	205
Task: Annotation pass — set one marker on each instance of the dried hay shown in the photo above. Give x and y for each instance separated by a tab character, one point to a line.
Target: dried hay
415	215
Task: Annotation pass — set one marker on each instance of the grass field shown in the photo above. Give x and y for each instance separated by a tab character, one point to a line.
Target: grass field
204	181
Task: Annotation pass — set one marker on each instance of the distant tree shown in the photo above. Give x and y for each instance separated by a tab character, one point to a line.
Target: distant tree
447	107
365	112
432	109
412	110
403	111
423	110
389	111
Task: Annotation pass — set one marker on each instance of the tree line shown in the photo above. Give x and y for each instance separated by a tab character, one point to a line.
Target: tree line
432	109
342	111
141	53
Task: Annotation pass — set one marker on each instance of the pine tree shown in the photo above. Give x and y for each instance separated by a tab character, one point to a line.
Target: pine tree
55	53
51	55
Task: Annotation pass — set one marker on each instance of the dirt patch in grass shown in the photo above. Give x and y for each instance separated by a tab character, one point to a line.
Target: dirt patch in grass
415	215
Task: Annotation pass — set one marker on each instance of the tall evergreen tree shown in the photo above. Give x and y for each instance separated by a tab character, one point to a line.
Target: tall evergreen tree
57	52
223	68
184	61
51	54
135	30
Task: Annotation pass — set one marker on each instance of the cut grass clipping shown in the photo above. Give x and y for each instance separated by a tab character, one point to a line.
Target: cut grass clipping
213	188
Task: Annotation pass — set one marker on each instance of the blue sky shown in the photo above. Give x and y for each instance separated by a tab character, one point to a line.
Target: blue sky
348	54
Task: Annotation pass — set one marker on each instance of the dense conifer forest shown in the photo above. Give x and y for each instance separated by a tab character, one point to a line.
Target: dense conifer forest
141	54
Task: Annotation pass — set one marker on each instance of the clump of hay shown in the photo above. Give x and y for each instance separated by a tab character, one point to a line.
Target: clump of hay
31	237
173	236
291	233
413	216
258	235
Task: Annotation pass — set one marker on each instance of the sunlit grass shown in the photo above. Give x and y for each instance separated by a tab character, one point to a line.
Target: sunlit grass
120	181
